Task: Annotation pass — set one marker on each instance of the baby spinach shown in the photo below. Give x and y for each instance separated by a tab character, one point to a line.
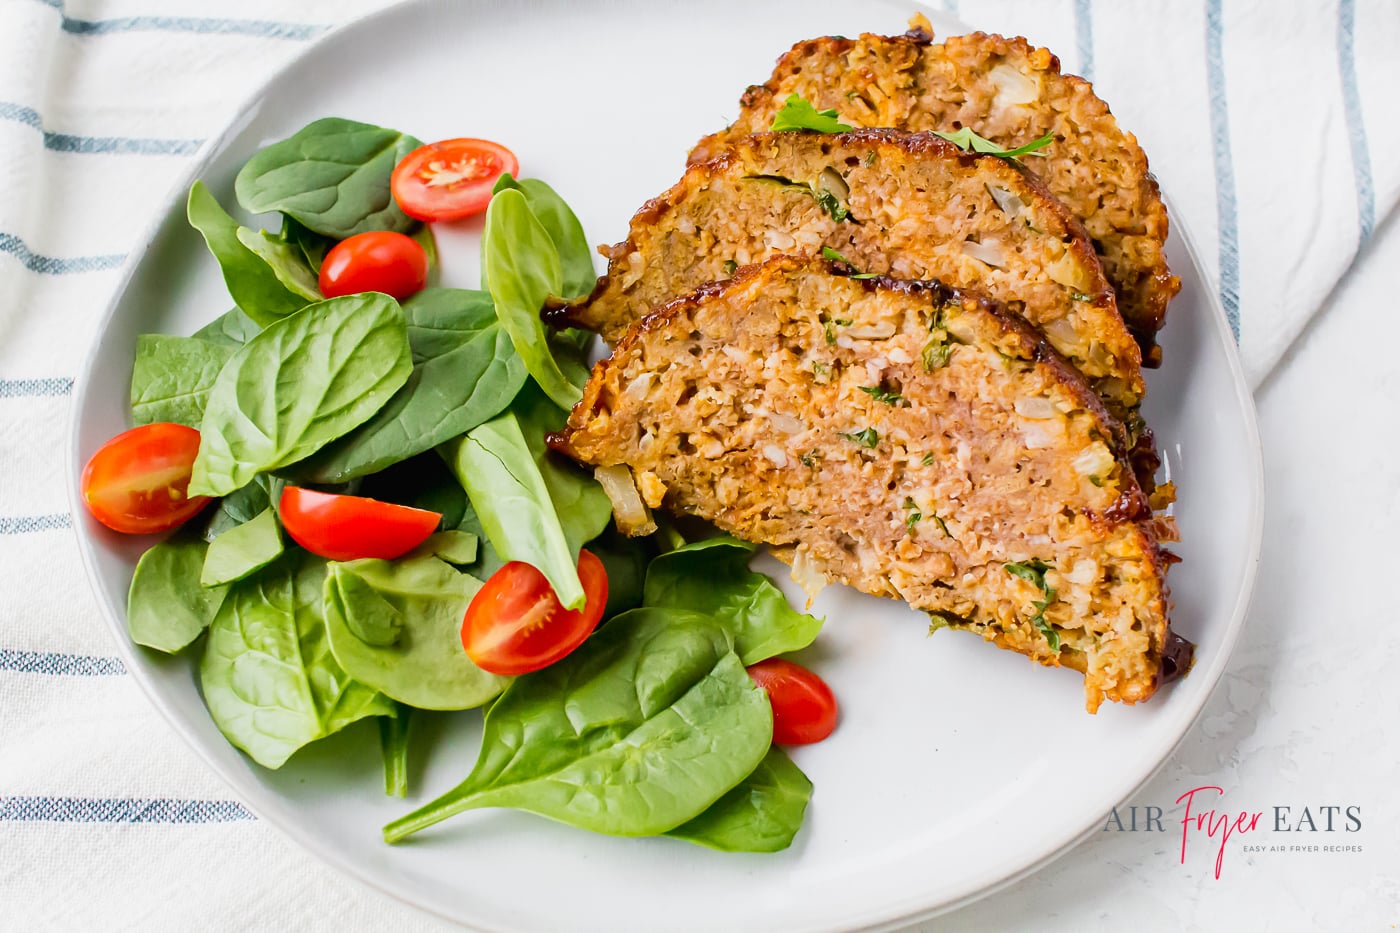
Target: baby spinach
332	177
521	266
559	221
396	626
311	245
503	481
465	371
713	576
231	329
286	260
241	505
455	547
242	549
641	729
762	814
255	286
166	608
579	500
393	747
172	376
301	383
625	559
268	676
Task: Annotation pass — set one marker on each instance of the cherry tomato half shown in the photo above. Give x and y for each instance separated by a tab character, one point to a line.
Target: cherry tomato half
516	625
804	708
351	527
136	483
378	261
451	179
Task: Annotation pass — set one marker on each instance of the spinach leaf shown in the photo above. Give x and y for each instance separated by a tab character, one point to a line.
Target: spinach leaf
584	509
332	177
286	260
424	665
496	467
268	676
312	245
231	329
1033	572
455	547
393	746
242	549
166	608
762	814
713	576
564	229
465	371
172	376
625	559
798	113
254	285
641	729
969	141
423	482
241	505
521	266
302	382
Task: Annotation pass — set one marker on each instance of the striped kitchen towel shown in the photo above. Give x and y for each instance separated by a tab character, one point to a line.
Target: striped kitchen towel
1268	125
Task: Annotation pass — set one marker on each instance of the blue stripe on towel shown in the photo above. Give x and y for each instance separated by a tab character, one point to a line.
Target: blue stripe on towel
119	810
28	388
1356	125
1084	37
52	265
121	145
24	524
59	665
262	29
1225	206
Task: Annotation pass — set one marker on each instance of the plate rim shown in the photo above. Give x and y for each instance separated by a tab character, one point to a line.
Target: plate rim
885	916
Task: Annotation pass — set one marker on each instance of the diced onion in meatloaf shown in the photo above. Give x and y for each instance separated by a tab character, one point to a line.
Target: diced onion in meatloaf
897	470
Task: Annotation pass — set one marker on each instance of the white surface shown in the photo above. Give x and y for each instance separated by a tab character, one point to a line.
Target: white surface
880	819
1289	725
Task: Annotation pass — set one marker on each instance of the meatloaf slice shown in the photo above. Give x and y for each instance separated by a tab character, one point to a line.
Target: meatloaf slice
914	206
1011	93
935	449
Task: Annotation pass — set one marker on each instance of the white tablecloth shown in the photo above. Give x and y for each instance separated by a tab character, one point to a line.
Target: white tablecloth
1271	126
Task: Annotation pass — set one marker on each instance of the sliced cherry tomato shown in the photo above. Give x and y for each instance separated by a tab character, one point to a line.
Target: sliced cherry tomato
378	261
136	483
804	708
516	625
451	179
351	527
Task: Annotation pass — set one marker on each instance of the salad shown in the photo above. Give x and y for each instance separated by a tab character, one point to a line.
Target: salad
363	518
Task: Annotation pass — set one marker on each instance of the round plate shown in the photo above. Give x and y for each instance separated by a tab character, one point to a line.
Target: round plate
957	767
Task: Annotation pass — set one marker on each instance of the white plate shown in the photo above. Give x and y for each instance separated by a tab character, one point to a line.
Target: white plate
956	767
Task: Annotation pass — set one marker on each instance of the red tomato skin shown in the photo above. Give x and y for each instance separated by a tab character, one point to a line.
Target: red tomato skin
804	708
162	454
378	261
340	527
516	625
481	161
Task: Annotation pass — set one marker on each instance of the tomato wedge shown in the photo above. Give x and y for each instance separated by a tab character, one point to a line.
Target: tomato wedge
516	625
136	483
451	179
340	527
377	261
804	708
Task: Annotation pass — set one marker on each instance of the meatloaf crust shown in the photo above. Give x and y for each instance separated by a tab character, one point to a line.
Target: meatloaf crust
1011	93
938	450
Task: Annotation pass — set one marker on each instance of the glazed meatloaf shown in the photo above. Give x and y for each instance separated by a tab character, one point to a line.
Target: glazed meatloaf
910	205
1011	93
936	450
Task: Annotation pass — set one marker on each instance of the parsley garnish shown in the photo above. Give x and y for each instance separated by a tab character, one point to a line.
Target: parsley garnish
832	205
799	114
928	458
937	352
730	267
914	515
883	395
969	141
1033	571
868	438
810	458
829	327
